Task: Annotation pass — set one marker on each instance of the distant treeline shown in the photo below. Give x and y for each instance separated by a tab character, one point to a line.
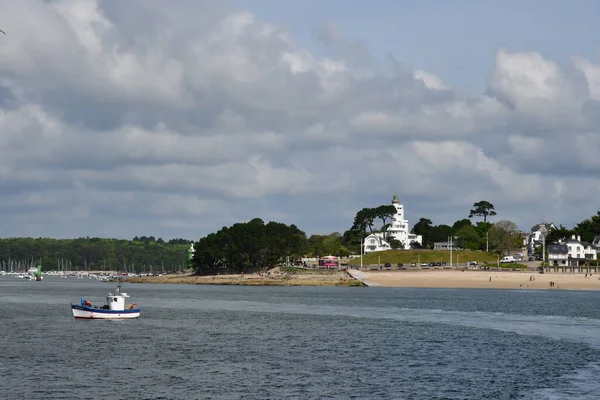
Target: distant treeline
142	254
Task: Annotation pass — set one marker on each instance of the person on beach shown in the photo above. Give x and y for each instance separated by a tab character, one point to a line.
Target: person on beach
490	278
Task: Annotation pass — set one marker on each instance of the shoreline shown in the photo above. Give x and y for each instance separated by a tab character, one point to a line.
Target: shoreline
275	278
474	279
440	279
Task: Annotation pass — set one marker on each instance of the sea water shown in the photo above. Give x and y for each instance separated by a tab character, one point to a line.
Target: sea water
234	342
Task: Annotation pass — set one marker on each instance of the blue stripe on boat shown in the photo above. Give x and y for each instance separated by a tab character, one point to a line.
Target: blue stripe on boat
102	311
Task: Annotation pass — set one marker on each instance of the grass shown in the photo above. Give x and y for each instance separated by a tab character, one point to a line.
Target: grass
425	256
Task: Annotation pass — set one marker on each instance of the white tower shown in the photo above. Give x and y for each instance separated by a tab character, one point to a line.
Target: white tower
399	208
399	228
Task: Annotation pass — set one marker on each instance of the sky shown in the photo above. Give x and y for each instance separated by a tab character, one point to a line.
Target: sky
175	119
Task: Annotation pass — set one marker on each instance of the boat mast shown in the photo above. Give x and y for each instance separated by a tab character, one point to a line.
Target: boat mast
119	279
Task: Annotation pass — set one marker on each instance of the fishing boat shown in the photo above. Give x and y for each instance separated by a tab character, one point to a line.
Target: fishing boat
114	308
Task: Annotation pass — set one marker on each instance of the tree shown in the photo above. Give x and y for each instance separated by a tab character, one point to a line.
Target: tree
468	238
90	253
423	228
589	228
384	213
441	233
248	246
415	245
364	219
322	245
460	223
482	229
558	234
504	237
351	240
483	209
395	244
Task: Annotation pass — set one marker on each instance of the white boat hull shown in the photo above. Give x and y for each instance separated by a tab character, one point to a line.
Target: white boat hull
94	313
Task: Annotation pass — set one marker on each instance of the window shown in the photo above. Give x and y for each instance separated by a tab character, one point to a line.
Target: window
372	241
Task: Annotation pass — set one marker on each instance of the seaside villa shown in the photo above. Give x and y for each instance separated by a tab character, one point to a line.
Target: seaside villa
571	252
398	229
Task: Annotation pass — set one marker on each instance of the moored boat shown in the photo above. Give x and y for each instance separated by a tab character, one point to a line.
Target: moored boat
115	308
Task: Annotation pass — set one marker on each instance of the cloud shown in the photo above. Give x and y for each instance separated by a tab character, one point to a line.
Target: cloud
542	97
354	51
141	118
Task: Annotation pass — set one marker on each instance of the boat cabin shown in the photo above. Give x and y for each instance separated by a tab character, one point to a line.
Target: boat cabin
116	301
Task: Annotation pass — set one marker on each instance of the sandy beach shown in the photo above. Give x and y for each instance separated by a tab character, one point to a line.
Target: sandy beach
481	279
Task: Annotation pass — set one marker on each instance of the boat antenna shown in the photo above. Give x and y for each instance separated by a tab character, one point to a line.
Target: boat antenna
119	279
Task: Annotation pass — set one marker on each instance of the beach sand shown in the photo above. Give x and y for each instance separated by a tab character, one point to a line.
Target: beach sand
481	279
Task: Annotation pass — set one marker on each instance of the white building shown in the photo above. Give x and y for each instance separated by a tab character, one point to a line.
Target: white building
571	252
538	232
398	229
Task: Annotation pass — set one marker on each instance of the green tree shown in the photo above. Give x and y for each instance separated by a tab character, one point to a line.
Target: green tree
384	213
211	251
482	229
416	245
558	234
460	223
441	233
91	254
351	240
589	228
483	209
468	238
364	219
323	245
504	237
424	228
395	244
248	247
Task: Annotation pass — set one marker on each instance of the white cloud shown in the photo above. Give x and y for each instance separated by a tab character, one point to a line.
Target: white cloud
166	126
537	89
431	81
592	75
